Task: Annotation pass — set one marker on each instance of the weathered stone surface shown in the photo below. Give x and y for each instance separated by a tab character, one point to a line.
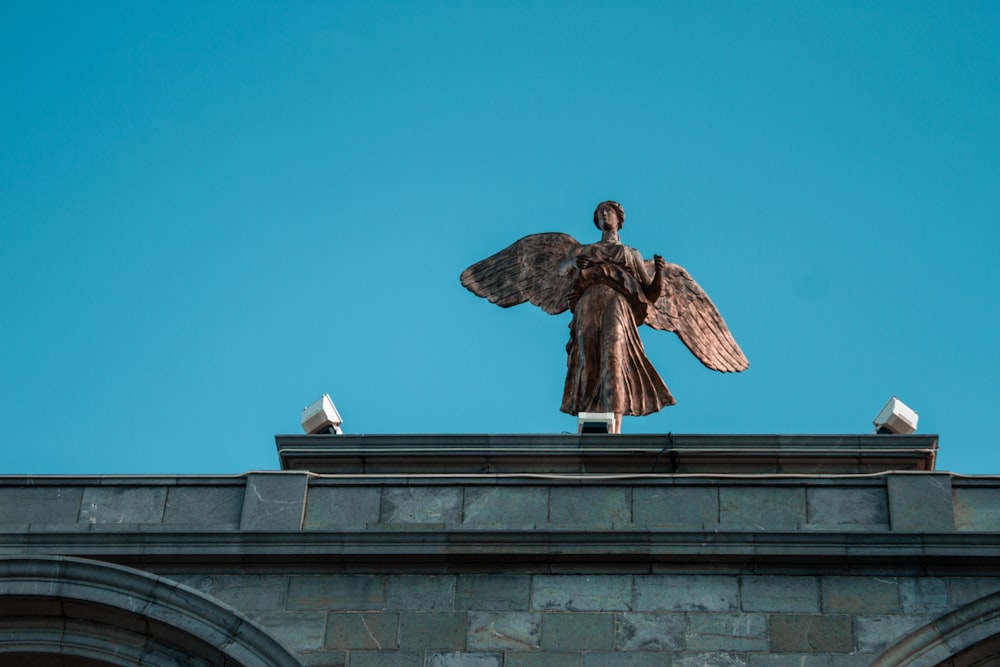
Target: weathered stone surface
330	506
342	592
592	659
977	508
923	596
811	633
596	506
963	590
649	632
696	506
362	631
762	507
496	592
779	593
300	631
387	659
219	506
545	659
498	506
856	595
726	632
582	593
465	660
123	504
921	503
686	593
789	660
246	592
323	658
843	506
274	501
709	660
420	593
577	632
439	631
505	631
422	504
876	633
45	504
854	660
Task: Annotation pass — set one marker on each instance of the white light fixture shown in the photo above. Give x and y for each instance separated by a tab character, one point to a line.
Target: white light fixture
595	422
896	417
321	417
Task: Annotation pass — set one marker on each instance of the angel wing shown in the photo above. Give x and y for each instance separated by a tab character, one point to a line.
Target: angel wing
685	309
539	268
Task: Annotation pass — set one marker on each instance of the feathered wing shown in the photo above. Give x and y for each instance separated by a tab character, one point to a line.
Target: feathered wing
539	268
685	309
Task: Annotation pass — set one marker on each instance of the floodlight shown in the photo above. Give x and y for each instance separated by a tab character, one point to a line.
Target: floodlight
595	422
895	417
321	417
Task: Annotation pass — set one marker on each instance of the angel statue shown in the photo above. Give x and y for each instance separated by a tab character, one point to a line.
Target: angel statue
611	291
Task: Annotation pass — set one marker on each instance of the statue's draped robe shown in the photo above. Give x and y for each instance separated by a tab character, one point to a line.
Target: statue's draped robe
607	369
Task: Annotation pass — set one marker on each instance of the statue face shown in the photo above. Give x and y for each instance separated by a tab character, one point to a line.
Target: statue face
608	218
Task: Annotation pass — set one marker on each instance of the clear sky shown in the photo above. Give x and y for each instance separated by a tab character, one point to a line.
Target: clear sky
213	213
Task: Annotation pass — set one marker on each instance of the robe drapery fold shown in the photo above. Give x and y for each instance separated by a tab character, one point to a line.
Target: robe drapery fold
607	369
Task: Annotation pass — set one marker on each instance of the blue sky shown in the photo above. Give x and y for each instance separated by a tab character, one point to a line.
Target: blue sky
212	213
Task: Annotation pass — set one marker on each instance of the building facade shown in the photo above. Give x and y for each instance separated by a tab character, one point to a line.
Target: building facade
513	551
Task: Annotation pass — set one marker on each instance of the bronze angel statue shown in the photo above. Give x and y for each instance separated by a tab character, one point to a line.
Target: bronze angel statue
611	291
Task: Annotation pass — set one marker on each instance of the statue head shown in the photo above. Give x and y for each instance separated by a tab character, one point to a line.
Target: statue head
617	208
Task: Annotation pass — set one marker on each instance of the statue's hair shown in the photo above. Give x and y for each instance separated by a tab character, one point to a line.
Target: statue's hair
618	209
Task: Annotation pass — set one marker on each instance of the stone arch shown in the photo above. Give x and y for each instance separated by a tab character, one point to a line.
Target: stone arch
75	612
966	637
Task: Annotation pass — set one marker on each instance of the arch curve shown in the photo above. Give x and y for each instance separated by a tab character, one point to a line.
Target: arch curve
965	637
95	613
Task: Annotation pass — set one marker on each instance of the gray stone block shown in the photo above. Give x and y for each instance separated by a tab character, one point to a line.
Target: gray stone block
577	631
857	595
921	503
591	659
686	593
323	658
331	506
505	631
342	592
219	506
123	504
811	633
386	659
779	593
494	592
876	633
844	506
301	631
763	508
686	506
422	504
362	631
923	596
543	659
853	660
465	660
789	660
274	501
726	632
963	590
590	506
582	592
710	660
420	592
246	592
977	508
649	632
439	631
497	506
40	504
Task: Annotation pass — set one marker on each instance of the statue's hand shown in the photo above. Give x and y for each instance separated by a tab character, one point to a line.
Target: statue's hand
659	263
584	262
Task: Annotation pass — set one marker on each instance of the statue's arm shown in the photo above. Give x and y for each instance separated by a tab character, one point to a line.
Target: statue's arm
654	286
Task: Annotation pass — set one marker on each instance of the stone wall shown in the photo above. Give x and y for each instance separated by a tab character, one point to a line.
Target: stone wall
542	568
